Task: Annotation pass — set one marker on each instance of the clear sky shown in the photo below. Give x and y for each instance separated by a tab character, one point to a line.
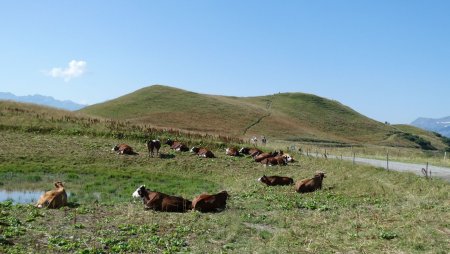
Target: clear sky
389	60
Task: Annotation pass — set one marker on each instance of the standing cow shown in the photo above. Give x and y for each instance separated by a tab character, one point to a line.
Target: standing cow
153	145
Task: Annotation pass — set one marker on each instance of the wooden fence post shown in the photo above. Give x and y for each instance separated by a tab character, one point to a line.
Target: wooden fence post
354	158
387	160
445	155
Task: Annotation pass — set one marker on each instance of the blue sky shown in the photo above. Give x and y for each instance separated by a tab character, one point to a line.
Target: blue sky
389	60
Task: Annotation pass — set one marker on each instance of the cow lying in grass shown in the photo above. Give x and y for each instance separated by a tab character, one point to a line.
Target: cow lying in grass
153	145
250	151
202	152
310	184
276	180
162	202
123	149
232	151
210	203
56	198
177	145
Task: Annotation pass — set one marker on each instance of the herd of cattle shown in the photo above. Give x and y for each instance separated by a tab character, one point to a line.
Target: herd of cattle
205	202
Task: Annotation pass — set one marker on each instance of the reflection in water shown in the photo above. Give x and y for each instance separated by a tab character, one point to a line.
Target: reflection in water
20	197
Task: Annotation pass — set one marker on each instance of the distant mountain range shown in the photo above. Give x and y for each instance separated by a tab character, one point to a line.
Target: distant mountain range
441	125
43	100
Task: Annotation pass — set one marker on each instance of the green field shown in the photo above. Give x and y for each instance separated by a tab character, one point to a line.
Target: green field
360	209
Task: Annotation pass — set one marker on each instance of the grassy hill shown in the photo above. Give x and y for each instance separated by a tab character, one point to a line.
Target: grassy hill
360	209
284	116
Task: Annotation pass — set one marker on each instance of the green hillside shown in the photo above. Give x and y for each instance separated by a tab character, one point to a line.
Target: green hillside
284	116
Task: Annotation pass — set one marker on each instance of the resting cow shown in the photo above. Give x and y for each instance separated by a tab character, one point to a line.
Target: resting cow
53	199
210	203
162	202
202	152
153	145
232	151
124	149
276	180
177	146
250	151
277	160
310	184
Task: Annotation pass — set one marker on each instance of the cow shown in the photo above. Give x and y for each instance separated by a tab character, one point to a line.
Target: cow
250	151
177	145
232	151
276	160
202	152
310	184
210	203
158	201
124	149
276	180
153	145
55	199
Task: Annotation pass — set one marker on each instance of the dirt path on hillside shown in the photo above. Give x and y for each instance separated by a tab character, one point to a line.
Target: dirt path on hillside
441	172
268	107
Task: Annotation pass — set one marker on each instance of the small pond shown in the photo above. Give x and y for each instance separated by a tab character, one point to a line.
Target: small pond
20	197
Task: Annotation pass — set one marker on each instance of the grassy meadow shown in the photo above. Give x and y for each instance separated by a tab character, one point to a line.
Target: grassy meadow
360	209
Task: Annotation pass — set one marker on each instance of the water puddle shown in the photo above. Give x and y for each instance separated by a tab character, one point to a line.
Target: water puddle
20	197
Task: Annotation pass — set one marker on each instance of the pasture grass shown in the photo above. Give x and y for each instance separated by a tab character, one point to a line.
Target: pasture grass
360	209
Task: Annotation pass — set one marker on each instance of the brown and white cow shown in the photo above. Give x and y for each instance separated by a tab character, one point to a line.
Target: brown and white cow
232	151
252	151
153	145
202	152
177	145
158	201
124	149
277	160
262	156
210	203
310	184
276	180
56	198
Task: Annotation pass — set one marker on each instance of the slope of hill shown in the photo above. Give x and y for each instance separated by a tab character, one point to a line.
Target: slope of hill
284	116
441	125
43	100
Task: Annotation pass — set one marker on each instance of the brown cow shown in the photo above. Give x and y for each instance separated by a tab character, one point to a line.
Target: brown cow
250	151
177	145
202	152
276	180
310	184
232	151
56	198
124	149
277	160
210	203
153	145
162	202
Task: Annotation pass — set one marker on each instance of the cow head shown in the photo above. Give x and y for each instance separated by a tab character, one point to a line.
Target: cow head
320	175
169	142
59	184
262	179
195	149
139	192
288	157
115	148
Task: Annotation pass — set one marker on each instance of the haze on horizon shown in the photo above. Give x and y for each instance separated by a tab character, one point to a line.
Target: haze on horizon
387	60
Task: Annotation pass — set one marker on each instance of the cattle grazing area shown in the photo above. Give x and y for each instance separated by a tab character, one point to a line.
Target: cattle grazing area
359	209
